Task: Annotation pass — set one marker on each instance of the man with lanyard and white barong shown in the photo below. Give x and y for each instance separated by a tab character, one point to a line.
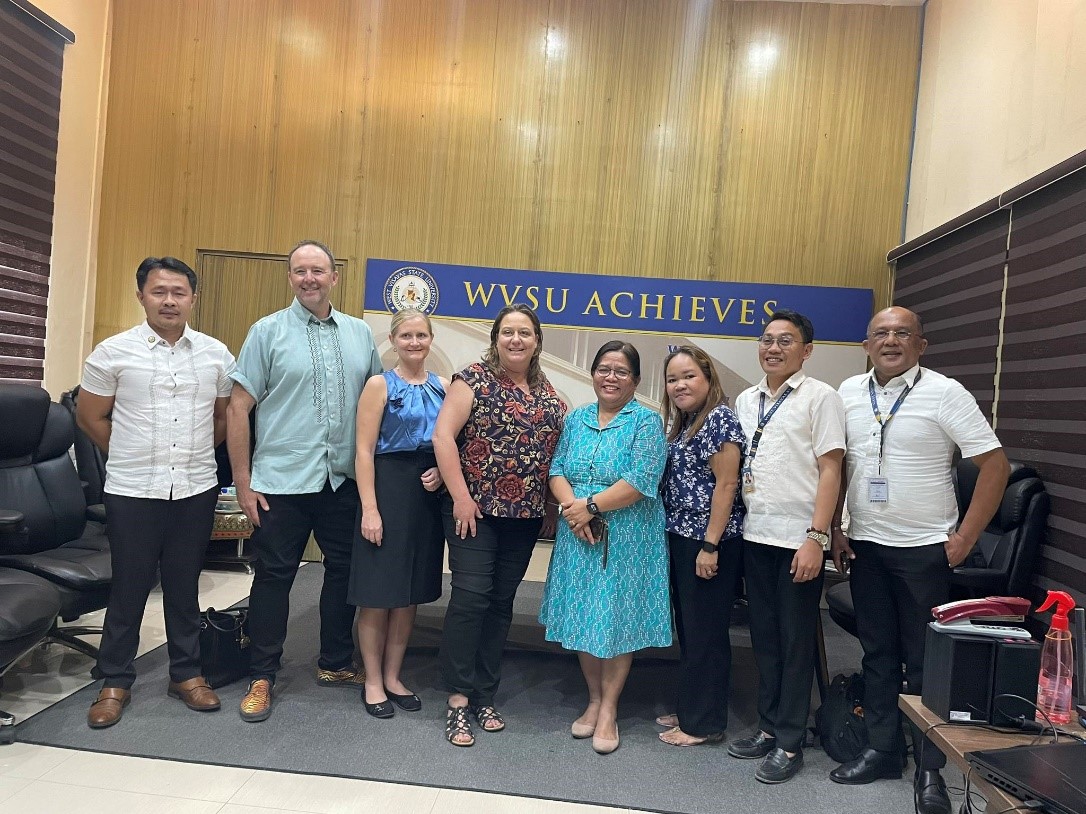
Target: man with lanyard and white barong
904	423
790	480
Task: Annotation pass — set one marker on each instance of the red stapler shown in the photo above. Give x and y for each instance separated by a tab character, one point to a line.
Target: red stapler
990	616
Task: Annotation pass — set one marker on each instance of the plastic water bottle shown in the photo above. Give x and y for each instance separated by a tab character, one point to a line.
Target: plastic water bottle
1057	658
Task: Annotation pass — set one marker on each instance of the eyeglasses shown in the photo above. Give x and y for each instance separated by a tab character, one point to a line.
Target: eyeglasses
784	341
883	335
619	373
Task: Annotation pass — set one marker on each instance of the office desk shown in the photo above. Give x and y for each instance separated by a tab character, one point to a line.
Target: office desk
955	741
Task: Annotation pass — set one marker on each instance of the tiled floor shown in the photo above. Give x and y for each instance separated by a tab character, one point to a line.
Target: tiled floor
35	779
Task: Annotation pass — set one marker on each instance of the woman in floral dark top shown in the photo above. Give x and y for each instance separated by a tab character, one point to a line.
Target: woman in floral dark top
494	440
704	522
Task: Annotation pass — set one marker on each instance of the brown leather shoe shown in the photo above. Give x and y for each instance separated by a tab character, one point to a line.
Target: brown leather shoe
108	708
195	693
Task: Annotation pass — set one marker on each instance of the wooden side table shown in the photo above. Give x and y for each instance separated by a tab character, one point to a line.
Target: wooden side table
235	527
957	740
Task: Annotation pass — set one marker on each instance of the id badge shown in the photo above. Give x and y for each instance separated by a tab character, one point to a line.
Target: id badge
878	490
748	482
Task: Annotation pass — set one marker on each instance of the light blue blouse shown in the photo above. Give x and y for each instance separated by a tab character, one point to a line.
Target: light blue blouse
410	414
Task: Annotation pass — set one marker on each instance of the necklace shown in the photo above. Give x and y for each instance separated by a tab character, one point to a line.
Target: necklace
399	372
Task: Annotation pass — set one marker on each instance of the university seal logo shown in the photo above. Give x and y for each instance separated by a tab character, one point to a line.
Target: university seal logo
411	287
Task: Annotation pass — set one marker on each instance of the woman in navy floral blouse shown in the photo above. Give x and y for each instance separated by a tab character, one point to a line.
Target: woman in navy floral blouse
494	440
704	523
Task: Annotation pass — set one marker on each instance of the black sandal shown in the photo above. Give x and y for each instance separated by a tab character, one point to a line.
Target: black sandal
456	723
487	714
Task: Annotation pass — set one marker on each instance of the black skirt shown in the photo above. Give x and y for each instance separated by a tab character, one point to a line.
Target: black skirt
406	568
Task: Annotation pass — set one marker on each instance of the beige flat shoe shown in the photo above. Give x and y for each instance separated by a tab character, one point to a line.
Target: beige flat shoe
605	746
581	731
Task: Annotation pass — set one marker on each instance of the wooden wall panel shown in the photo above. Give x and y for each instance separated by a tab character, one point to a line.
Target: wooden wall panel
628	137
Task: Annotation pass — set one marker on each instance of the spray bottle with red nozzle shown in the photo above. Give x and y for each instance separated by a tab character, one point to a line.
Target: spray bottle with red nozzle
1057	658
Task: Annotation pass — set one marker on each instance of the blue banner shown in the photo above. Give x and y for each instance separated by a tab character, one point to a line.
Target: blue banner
603	302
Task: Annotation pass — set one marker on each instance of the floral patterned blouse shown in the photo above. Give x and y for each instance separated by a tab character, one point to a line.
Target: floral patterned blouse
508	442
688	483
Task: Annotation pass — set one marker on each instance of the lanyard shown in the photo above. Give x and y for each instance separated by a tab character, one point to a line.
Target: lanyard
889	416
763	419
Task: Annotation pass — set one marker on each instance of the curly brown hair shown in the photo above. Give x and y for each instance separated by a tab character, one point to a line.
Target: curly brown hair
490	358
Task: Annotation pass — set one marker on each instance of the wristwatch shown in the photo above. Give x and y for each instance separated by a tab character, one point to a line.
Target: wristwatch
710	548
820	537
591	503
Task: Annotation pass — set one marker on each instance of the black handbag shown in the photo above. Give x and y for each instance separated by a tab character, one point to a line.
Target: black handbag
840	721
224	645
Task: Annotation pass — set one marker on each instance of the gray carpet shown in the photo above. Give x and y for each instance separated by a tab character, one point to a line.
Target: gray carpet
318	730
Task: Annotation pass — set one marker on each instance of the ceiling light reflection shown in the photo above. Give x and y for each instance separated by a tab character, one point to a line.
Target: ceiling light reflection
762	56
554	43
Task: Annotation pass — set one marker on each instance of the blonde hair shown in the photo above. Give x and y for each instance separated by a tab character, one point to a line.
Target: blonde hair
400	317
673	418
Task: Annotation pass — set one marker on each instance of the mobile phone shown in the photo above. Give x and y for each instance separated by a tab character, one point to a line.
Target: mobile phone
598	526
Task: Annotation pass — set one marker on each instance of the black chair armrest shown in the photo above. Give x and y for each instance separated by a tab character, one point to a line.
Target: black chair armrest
11	521
14	534
97	512
983	580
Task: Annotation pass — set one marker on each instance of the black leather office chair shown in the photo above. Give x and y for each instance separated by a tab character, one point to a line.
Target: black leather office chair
90	462
43	524
28	610
1002	562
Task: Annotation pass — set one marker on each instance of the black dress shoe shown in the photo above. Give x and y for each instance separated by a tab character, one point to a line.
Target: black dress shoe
778	767
756	746
408	703
929	791
382	709
870	766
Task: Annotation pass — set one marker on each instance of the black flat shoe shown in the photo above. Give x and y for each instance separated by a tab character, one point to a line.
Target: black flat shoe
870	766
756	746
382	709
408	703
929	791
778	767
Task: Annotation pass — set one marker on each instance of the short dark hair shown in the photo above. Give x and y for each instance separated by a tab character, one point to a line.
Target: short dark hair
149	264
317	244
806	329
618	346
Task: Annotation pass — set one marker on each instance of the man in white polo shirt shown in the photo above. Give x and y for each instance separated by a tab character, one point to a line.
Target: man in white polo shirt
154	399
904	423
790	479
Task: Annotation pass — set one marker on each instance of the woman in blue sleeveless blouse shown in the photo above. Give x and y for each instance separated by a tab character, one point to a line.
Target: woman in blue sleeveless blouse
399	542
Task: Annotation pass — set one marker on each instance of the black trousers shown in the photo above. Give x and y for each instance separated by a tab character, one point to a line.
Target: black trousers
148	537
703	609
279	543
783	631
486	571
893	592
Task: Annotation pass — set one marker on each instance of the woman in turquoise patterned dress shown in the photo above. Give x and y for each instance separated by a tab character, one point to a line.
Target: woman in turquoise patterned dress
608	598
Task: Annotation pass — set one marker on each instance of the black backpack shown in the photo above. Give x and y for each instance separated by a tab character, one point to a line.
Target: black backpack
840	720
